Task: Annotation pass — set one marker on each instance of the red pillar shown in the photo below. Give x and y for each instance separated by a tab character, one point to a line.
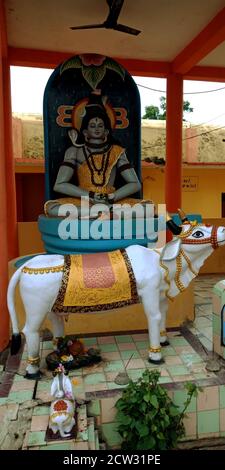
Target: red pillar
174	115
4	319
9	160
8	235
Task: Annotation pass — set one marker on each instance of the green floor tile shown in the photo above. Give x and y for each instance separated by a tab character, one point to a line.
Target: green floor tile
180	396
44	385
36	438
127	354
114	366
208	421
82	435
21	396
135	374
4	400
124	339
93	408
165	380
110	434
168	351
91	432
189	358
97	447
41	410
94	379
60	446
200	375
178	342
142	344
78	391
178	370
108	348
90	341
19	378
222	396
149	365
113	385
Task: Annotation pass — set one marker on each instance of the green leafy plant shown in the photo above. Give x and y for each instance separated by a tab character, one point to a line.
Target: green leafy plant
147	417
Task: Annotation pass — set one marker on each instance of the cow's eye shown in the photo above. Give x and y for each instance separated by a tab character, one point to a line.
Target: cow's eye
198	234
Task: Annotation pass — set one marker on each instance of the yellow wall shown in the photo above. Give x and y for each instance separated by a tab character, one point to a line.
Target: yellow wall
29	238
206	200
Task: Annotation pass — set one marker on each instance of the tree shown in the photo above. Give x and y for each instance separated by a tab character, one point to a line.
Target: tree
153	112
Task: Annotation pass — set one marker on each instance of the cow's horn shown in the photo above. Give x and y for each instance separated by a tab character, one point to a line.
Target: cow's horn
174	228
182	216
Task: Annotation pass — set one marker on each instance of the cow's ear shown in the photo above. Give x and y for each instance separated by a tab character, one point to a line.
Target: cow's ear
171	250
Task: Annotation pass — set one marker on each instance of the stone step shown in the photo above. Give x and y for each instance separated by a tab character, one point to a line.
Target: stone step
82	424
97	447
94	408
91	433
102	446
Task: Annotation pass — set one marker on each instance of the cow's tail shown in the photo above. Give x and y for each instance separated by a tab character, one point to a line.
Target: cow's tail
16	336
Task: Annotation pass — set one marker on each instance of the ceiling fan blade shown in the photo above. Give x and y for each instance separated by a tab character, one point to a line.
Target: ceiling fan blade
88	26
126	29
114	11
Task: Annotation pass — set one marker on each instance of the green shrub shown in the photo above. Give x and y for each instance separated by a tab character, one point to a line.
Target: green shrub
147	417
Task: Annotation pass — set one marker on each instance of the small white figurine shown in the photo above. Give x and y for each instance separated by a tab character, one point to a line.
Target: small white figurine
63	407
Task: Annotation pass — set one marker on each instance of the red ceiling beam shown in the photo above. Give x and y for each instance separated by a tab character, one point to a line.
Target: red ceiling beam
50	59
36	58
208	74
205	42
145	68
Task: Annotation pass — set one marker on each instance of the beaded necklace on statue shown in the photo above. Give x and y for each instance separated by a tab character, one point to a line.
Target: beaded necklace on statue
95	171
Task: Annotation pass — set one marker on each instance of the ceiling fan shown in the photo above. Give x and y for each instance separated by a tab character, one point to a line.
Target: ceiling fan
115	7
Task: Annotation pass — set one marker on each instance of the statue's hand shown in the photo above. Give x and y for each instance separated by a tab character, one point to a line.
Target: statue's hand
103	198
73	134
111	198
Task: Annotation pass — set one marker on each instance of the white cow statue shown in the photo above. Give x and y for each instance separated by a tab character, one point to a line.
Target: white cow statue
63	407
160	275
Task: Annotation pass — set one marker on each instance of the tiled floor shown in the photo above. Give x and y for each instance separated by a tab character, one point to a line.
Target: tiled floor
185	360
130	352
120	353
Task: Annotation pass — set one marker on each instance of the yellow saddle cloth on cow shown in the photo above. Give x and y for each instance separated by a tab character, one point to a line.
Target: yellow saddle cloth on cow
95	282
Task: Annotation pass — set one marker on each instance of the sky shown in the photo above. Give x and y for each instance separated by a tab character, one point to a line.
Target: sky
207	98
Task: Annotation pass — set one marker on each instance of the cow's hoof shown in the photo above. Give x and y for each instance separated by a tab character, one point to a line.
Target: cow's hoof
36	376
157	362
165	343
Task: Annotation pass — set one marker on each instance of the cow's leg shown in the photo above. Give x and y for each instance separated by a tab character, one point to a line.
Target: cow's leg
31	332
57	326
163	334
38	293
153	314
